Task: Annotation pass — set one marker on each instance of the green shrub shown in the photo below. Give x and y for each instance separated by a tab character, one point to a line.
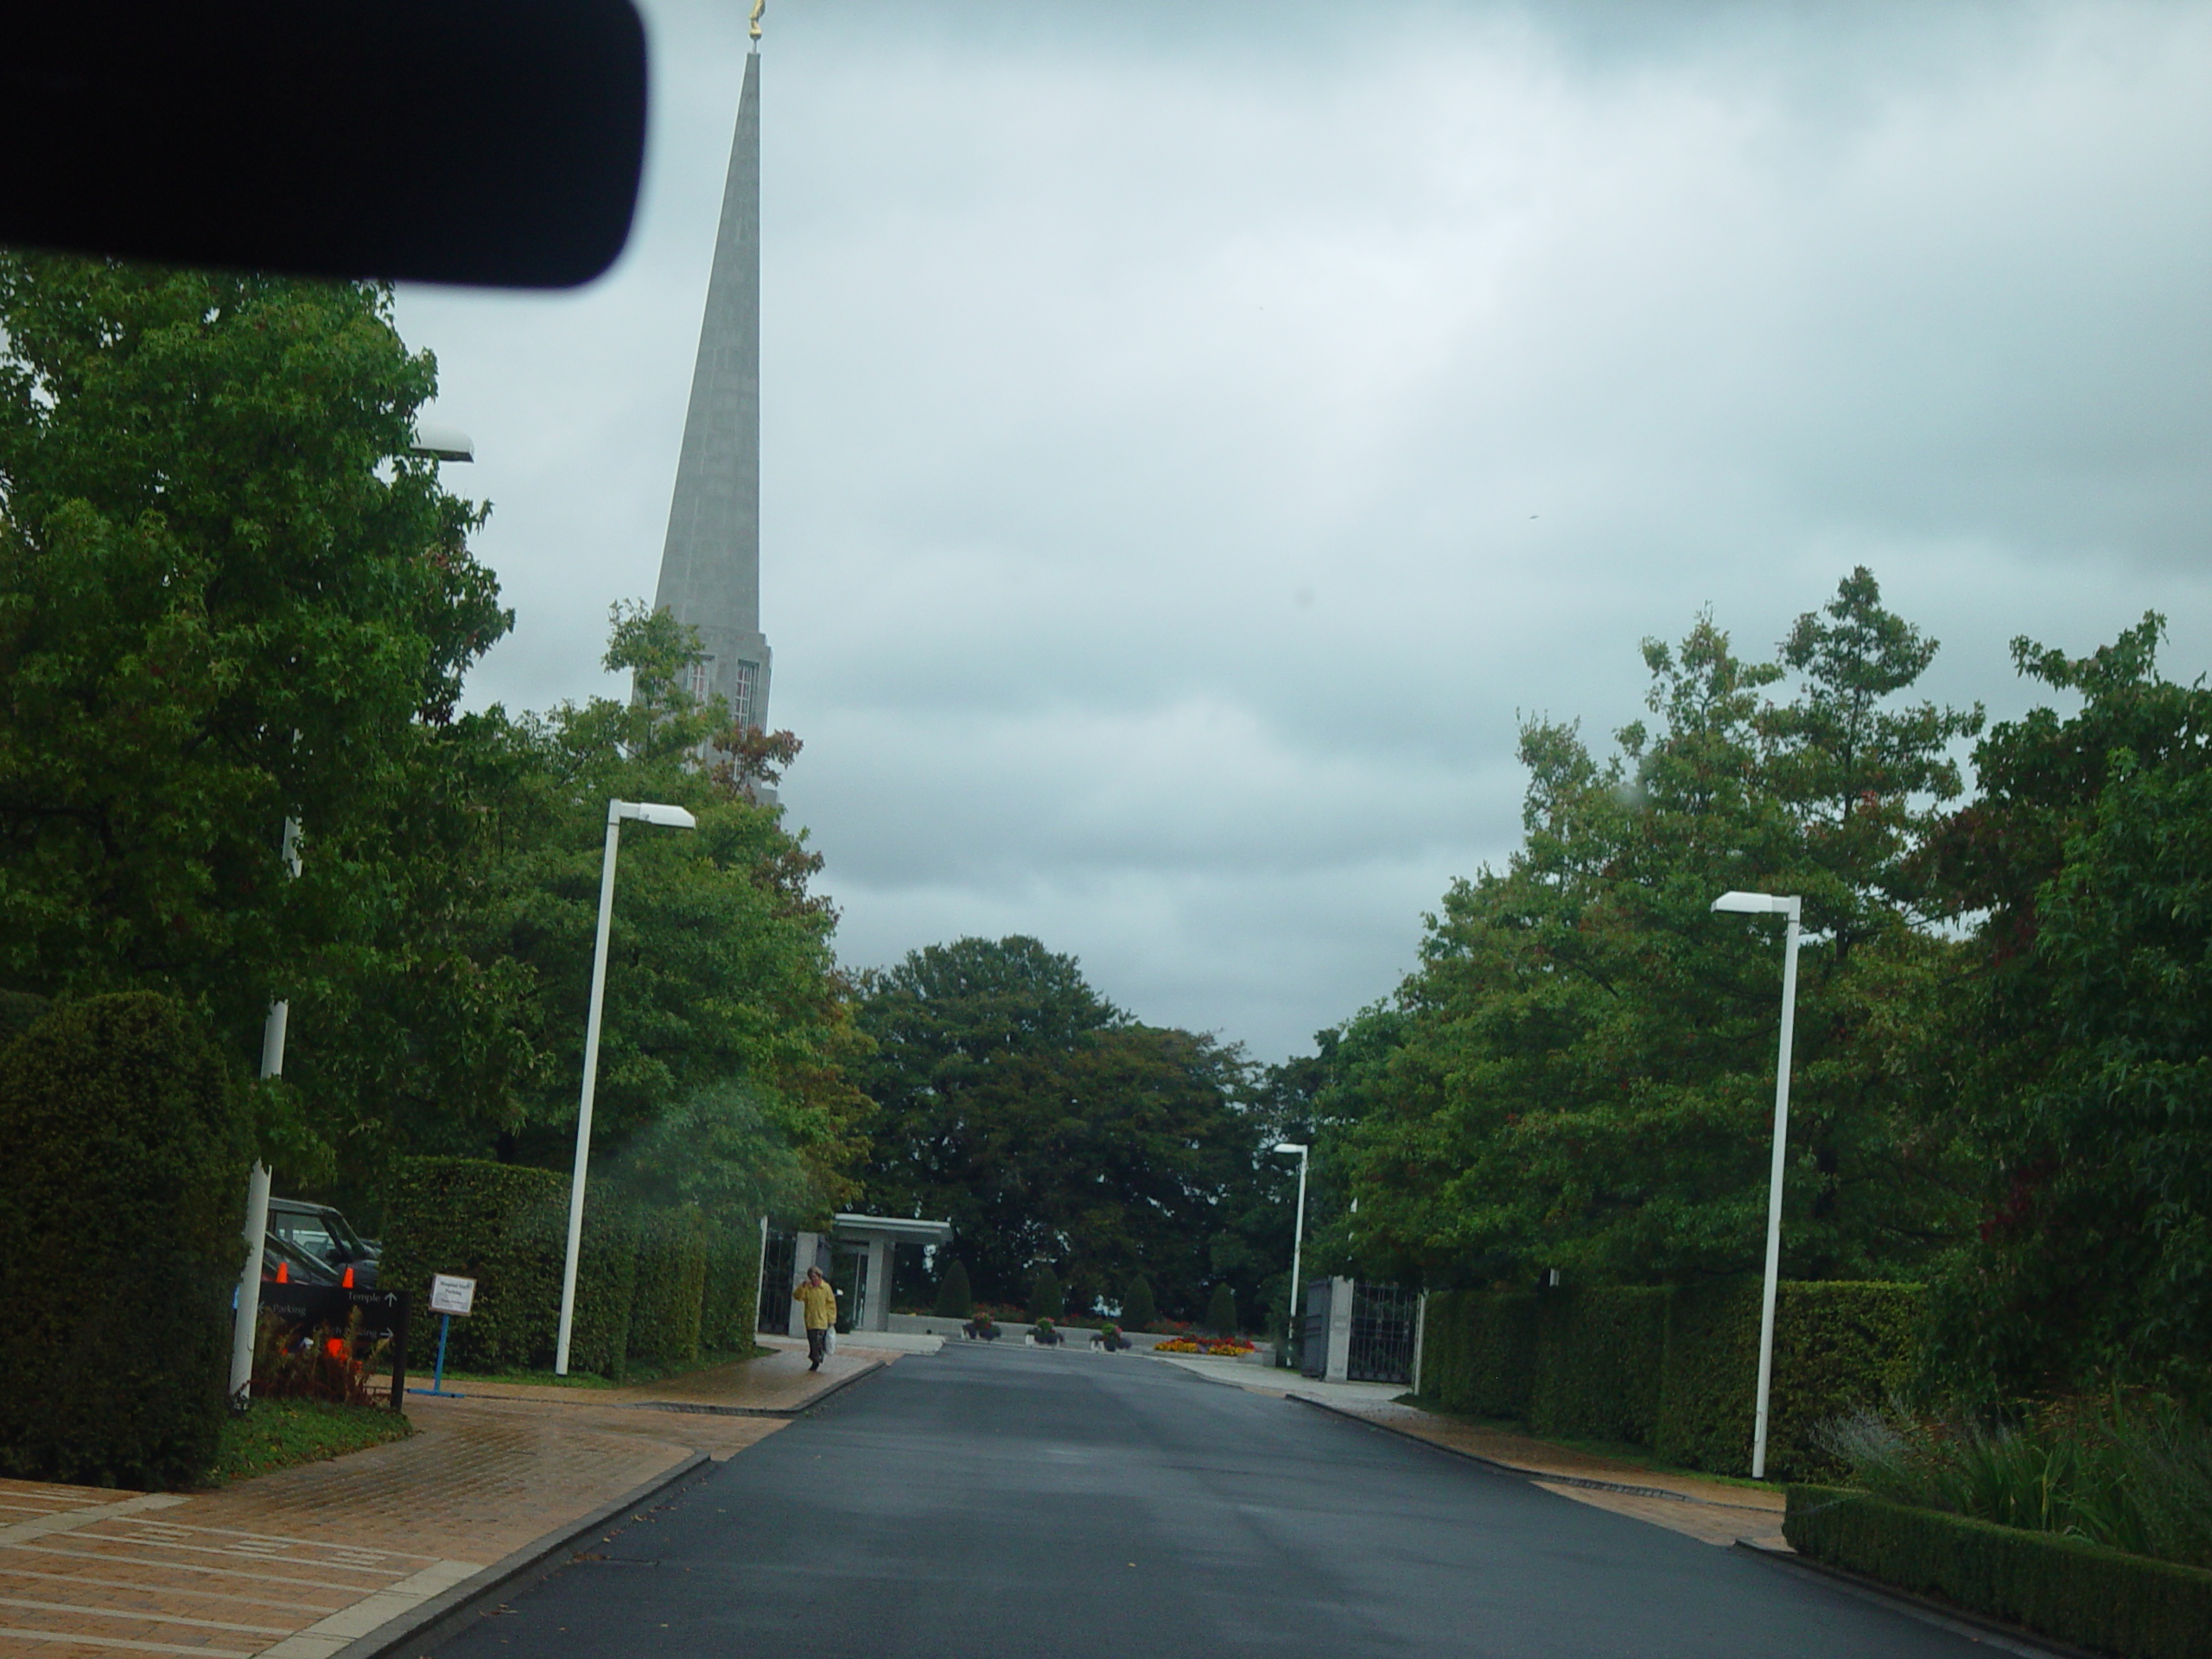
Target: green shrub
506	1226
1047	1300
1138	1313
1478	1351
126	1149
730	1318
1599	1354
2132	1473
1838	1348
955	1301
671	1289
2079	1593
1220	1310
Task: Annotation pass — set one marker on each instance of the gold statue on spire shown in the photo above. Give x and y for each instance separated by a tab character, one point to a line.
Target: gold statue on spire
753	22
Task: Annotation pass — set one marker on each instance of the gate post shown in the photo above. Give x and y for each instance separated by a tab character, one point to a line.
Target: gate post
1338	1369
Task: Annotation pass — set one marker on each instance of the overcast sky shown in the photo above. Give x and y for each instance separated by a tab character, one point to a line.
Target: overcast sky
1194	434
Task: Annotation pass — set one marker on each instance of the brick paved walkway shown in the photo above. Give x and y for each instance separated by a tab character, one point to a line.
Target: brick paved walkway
295	1564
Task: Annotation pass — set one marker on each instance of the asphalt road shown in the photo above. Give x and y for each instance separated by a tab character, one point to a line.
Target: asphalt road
1012	1502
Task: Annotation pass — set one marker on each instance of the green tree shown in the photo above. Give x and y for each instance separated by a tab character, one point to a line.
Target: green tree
1138	1310
227	596
1045	1125
1046	1301
2087	858
1579	1074
956	1300
1221	1312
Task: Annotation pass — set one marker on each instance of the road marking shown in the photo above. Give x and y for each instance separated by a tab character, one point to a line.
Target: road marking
288	1604
150	1618
185	1566
119	1642
70	1519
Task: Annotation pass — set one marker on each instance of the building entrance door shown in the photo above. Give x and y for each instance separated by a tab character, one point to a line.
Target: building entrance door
851	1280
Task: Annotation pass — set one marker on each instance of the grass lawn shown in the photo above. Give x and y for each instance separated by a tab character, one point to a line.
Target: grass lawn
1618	1451
277	1433
631	1378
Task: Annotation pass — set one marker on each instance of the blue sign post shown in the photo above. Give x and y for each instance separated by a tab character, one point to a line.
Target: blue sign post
449	1296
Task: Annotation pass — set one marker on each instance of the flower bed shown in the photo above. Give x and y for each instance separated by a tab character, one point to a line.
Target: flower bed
1218	1347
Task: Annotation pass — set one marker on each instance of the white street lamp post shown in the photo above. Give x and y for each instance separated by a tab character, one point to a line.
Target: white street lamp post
1762	903
1296	1237
645	813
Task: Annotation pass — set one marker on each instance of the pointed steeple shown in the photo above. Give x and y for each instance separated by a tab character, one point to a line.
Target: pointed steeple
710	564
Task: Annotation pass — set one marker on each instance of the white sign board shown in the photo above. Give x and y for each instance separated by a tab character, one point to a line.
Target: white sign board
451	1295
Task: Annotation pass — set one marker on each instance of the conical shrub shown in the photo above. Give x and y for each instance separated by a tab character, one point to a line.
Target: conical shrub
1047	1300
1221	1312
1137	1310
955	1301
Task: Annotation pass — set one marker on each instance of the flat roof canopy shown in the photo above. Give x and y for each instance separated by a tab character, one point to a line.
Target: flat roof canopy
900	1228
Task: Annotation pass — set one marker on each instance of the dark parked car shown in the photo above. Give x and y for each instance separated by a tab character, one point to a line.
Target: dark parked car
325	1237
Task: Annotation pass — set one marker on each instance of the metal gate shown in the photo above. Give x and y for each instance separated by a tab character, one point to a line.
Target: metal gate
1382	1333
778	1259
1313	1330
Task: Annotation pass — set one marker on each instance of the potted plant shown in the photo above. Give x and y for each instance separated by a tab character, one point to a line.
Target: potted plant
1110	1338
1045	1334
980	1329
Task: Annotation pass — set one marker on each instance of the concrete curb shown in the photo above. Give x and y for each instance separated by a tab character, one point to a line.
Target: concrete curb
704	1409
1523	1472
1994	1632
421	1628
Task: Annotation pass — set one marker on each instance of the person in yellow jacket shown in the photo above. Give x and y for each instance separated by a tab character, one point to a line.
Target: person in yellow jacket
819	1302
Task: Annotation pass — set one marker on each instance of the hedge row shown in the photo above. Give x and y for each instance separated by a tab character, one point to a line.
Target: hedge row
658	1289
1674	1369
2079	1593
126	1150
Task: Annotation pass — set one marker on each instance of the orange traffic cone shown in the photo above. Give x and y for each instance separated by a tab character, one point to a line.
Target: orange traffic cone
284	1273
346	1283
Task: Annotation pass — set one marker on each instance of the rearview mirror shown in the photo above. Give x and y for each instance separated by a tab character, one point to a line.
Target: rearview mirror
489	142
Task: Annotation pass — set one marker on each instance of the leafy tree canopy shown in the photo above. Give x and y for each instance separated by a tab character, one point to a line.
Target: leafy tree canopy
1047	1126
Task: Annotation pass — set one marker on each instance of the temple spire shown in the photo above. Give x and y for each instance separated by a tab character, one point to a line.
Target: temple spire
710	564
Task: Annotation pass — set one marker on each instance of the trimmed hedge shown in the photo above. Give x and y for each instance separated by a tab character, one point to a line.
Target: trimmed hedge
2078	1593
671	1289
731	1312
1599	1356
1838	1347
1478	1351
1674	1370
126	1148
506	1226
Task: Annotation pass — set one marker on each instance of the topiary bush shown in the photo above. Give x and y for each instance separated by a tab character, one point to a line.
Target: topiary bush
1047	1300
955	1301
1220	1310
126	1147
1138	1313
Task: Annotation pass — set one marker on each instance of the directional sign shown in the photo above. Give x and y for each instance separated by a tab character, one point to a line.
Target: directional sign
449	1295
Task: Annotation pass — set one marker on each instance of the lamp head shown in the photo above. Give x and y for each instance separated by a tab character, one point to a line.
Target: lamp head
442	443
652	812
1288	1146
1757	904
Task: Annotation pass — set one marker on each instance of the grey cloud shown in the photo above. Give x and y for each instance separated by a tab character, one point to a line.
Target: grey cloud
1193	435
